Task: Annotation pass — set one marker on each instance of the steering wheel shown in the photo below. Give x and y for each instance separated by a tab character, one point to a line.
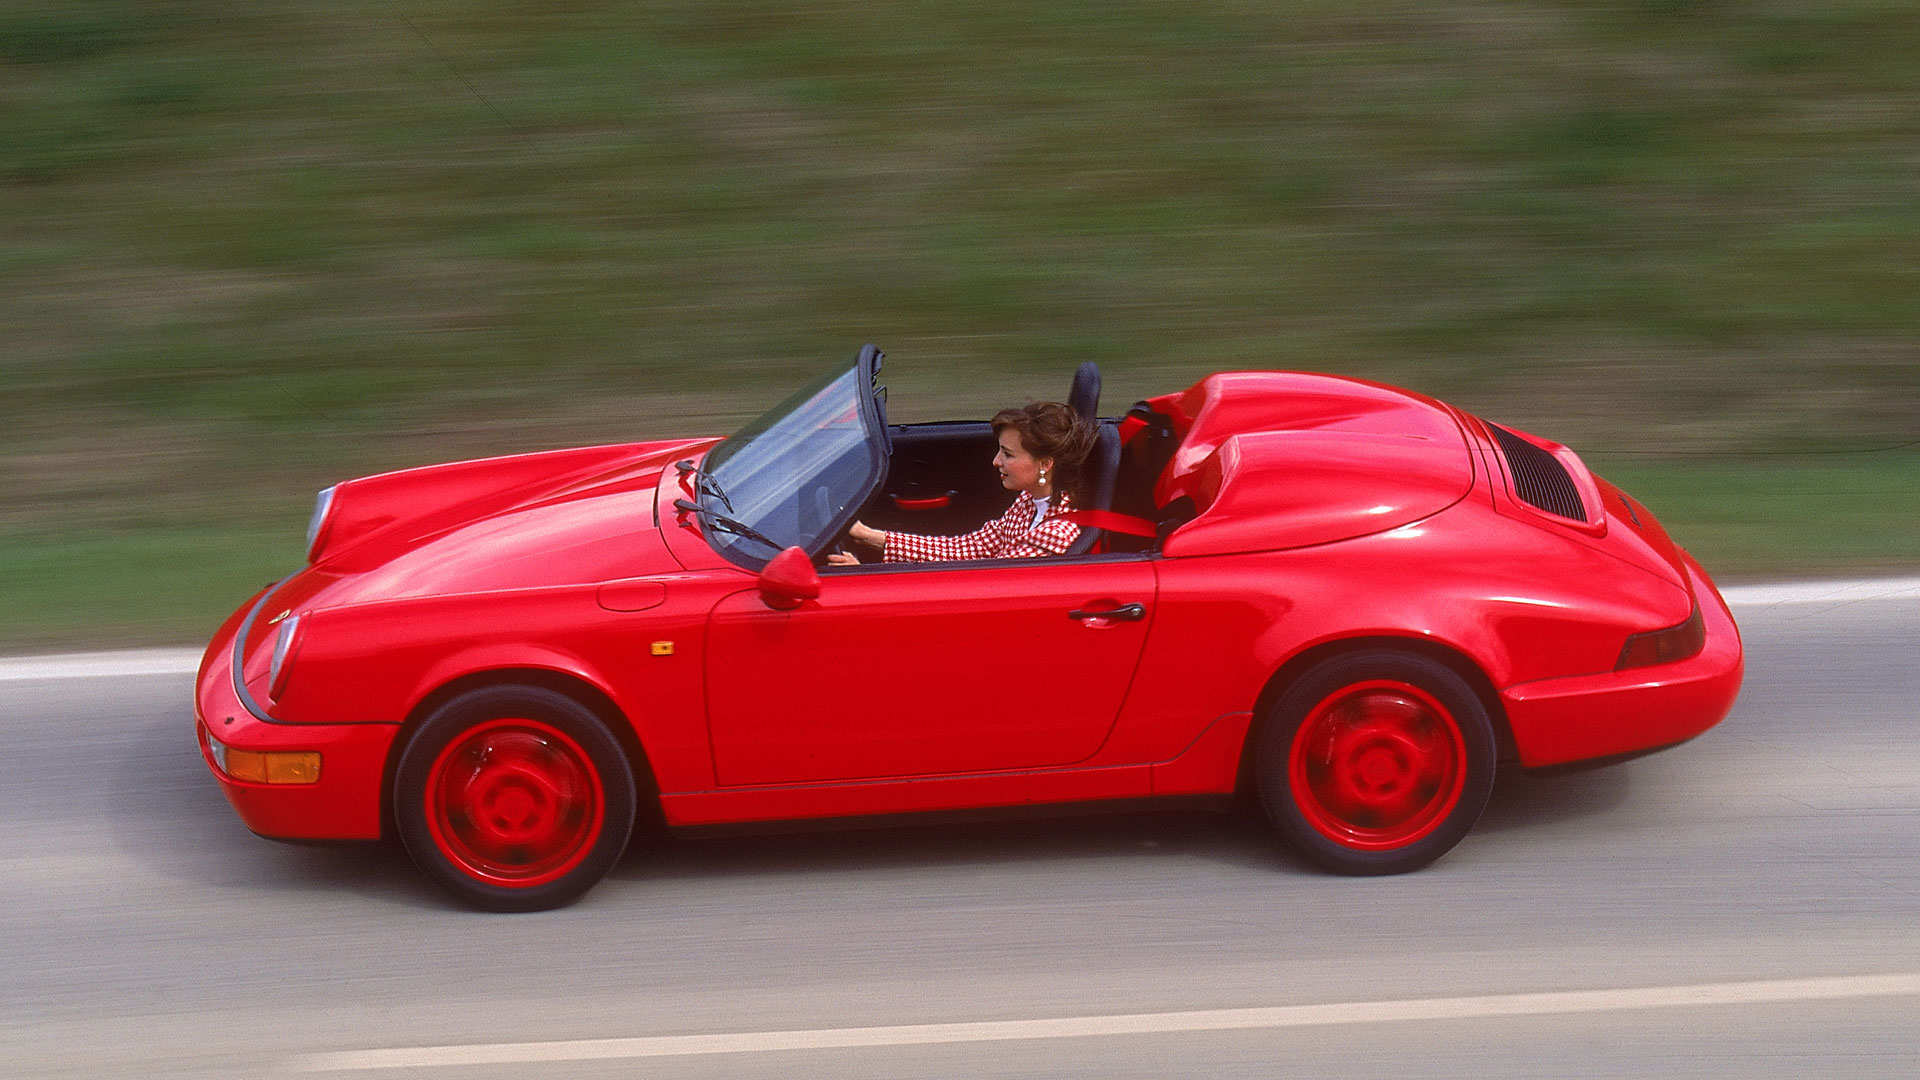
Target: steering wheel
822	507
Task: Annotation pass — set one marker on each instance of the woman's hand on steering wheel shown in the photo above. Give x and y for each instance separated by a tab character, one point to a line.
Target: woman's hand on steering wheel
861	533
858	532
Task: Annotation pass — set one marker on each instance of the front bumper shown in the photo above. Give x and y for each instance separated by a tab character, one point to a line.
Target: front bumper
345	804
1560	721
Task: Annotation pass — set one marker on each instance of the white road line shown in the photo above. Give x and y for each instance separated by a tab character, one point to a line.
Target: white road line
1822	592
102	665
1774	991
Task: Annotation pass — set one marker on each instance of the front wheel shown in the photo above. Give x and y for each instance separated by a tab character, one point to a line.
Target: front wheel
514	798
1376	762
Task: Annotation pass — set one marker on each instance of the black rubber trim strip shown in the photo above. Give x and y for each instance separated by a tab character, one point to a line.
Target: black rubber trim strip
879	443
239	647
239	684
1139	804
1036	561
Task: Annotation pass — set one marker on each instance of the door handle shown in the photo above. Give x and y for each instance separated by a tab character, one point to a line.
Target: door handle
923	502
1128	612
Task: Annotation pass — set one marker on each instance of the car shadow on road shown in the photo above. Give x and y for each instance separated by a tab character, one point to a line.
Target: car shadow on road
1524	800
1230	837
1236	836
169	815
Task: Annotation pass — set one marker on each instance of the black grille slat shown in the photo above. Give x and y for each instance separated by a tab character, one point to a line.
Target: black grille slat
1538	477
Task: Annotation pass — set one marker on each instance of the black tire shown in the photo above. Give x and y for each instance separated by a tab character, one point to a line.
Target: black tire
514	798
1376	762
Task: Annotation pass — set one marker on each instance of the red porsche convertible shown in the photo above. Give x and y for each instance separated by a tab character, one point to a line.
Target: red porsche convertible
1352	600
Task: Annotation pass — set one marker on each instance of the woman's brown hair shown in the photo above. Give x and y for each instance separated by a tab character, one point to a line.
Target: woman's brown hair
1049	429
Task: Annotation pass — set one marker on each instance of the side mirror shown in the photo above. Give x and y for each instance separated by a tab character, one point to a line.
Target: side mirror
788	579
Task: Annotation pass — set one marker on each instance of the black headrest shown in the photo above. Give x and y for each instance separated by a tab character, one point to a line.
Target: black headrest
1084	398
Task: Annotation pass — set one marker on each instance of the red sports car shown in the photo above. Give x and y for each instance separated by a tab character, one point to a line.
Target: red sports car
1352	600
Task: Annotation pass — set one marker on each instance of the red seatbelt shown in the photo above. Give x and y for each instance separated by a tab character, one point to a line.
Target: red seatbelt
1112	522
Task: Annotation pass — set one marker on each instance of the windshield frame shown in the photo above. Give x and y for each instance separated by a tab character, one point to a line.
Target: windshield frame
869	398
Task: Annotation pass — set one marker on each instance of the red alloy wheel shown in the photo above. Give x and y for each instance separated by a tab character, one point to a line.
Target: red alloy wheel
514	802
1377	765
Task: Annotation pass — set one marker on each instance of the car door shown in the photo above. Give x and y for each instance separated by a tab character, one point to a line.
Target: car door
926	670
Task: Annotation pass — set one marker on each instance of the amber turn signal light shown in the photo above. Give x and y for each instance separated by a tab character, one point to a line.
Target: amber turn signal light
274	767
1665	646
269	766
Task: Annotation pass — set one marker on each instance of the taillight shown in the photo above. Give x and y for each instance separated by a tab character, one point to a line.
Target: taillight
1665	646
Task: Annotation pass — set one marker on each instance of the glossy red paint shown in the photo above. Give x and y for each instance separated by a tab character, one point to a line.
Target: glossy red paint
967	672
373	519
1565	720
1220	407
1268	491
1330	516
634	594
1210	764
789	580
344	805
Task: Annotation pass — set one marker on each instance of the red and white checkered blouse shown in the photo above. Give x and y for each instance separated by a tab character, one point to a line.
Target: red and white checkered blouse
1014	535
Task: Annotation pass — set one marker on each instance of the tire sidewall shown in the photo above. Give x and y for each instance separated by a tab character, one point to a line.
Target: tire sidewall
1282	724
452	720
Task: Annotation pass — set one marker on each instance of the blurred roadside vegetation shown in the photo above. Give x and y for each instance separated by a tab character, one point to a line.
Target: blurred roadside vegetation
250	249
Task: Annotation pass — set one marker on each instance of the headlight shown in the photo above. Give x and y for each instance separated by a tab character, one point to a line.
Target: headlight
317	528
285	646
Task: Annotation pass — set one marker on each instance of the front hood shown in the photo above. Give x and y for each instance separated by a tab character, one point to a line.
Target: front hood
529	521
535	521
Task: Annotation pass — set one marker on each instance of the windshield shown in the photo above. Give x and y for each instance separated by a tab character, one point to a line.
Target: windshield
798	474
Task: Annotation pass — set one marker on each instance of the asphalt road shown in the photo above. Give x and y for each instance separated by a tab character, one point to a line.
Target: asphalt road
1747	905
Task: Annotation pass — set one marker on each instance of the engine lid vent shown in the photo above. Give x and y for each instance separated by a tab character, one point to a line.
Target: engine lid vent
1538	477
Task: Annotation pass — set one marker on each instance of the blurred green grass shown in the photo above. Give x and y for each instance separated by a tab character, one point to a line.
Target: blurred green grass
249	250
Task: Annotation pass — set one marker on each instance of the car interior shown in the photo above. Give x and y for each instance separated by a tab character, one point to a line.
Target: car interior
941	480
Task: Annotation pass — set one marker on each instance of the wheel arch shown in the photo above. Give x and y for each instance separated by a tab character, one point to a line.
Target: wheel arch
583	692
1307	659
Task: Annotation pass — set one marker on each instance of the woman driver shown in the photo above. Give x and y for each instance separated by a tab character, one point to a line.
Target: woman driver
1041	450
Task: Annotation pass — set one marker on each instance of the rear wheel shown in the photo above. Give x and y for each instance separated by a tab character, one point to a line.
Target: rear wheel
514	798
1376	762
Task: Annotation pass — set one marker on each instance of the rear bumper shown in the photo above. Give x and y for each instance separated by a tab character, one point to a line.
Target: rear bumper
1559	721
344	804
